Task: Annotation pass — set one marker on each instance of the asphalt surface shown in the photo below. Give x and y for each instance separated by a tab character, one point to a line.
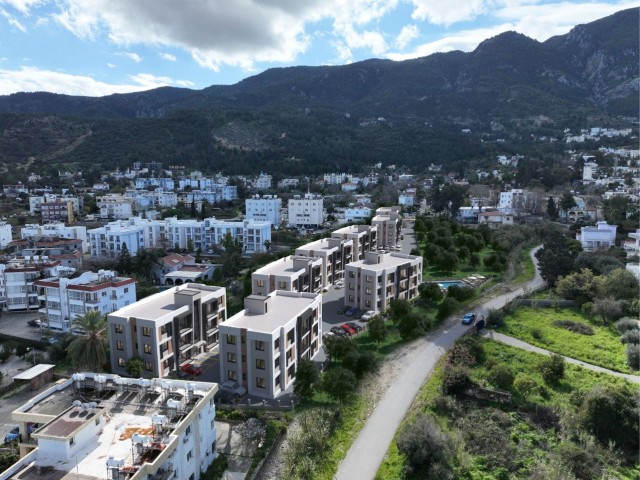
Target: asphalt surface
369	448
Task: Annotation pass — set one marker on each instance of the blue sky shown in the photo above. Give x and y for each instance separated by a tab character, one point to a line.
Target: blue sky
99	47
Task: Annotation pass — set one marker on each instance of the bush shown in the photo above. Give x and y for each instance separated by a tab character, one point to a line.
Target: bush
582	462
413	325
455	379
536	333
631	336
430	292
575	327
424	445
217	468
501	376
486	432
625	324
460	293
474	345
447	307
496	317
552	368
525	385
633	356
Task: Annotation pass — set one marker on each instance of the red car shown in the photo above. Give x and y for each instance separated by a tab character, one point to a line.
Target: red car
192	369
348	329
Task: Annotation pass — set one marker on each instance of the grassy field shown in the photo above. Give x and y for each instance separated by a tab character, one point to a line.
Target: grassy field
524	268
529	442
535	326
432	273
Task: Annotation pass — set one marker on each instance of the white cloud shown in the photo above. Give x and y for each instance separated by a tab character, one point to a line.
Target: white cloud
111	65
23	6
168	57
131	56
446	13
31	79
13	21
406	36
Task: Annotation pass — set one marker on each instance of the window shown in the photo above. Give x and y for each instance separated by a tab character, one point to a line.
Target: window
276	344
367	291
126	290
260	364
260	383
231	339
189	455
277	363
367	303
231	357
352	286
147	348
260	345
118	328
351	298
146	331
260	283
282	285
352	274
277	381
231	375
368	278
121	362
72	441
120	345
148	366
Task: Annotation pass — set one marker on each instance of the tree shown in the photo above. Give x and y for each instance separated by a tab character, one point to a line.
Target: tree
5	353
231	256
552	368
580	286
399	308
377	330
567	202
424	445
193	208
144	261
446	199
413	325
90	349
608	308
267	245
134	367
339	383
430	292
474	260
447	261
620	284
501	376
552	209
338	347
525	385
198	258
615	209
307	379
447	307
633	356
555	258
124	263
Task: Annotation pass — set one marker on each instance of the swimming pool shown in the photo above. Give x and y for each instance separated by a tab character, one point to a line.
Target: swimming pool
448	283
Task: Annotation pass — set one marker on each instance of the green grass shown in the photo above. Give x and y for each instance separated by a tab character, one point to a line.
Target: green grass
525	268
603	348
520	361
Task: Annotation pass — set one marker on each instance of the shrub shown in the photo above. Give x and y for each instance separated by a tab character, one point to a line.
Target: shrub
631	336
501	376
486	432
582	462
447	307
455	379
625	324
536	333
633	356
588	309
217	468
460	354
525	385
575	327
474	345
496	317
552	368
413	325
460	293
424	445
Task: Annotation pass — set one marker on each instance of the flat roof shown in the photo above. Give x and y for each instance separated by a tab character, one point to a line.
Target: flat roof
33	372
193	274
388	260
283	266
283	306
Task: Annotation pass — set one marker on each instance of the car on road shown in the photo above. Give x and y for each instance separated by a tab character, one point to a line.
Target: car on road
469	318
336	330
355	326
351	312
14	434
348	329
234	387
368	315
35	323
193	369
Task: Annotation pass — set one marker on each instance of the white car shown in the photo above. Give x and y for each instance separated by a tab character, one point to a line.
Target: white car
368	315
233	387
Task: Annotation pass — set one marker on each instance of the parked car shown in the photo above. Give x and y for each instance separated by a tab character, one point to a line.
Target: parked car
34	323
328	334
14	434
348	329
192	369
368	315
355	326
78	331
339	284
49	339
468	319
351	312
336	330
234	387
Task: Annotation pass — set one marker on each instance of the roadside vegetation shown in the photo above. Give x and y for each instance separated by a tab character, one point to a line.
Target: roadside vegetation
491	411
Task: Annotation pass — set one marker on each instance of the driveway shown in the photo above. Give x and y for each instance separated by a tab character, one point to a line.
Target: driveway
371	445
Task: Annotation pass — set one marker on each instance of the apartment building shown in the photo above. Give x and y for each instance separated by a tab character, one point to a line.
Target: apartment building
68	296
104	426
364	238
17	281
106	242
155	182
632	244
60	230
306	211
335	254
5	235
66	251
372	283
357	213
264	209
263	182
293	274
167	329
600	237
260	347
115	206
252	234
56	211
36	202
389	224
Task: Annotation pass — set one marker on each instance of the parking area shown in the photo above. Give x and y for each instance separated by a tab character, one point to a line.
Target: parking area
16	325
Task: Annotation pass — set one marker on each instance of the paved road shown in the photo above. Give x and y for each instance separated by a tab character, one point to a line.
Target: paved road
499	337
369	448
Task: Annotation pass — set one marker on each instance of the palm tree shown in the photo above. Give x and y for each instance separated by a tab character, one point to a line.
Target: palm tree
90	349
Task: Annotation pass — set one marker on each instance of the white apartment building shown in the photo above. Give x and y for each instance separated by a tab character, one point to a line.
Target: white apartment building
115	206
407	198
104	426
263	182
152	200
214	194
336	178
260	347
5	235
163	183
357	213
107	242
294	273
251	233
372	283
389	224
167	329
264	209
35	202
600	237
335	254
288	182
17	281
514	201
64	298
60	230
632	244
307	211
364	238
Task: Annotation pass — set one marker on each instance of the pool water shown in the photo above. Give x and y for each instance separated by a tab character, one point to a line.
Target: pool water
448	283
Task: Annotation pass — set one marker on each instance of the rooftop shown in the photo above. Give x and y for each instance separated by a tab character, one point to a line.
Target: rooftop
283	266
386	260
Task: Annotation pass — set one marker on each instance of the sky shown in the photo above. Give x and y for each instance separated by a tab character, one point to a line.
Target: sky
100	47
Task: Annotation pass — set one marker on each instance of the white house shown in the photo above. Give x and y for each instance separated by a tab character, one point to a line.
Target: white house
5	234
357	213
602	236
263	182
76	232
115	206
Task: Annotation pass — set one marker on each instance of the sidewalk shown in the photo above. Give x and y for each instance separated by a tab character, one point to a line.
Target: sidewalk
514	342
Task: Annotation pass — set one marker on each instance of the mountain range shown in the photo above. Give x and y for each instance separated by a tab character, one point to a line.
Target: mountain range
382	106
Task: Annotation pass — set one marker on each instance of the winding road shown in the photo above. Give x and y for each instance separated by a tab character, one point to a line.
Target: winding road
369	448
